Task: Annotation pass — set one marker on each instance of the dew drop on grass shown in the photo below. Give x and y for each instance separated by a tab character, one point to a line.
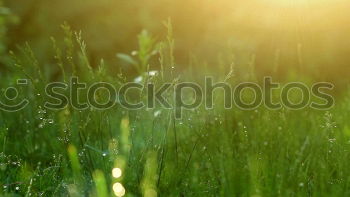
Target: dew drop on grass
138	79
17	188
41	125
41	111
153	73
157	113
104	154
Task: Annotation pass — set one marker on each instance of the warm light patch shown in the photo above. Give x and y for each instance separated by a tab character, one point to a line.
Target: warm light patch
117	172
286	17
298	2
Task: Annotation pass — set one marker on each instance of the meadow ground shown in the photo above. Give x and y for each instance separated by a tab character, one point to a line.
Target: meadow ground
217	152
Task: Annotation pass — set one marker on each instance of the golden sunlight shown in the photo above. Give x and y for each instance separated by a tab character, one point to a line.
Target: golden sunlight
280	15
300	2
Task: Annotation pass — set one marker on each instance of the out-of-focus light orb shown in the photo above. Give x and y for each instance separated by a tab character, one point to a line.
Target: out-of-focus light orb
118	189
116	173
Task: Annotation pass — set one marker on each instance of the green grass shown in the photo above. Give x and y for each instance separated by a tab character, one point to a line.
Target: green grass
208	153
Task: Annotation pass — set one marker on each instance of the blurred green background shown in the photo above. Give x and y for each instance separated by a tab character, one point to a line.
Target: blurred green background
303	37
217	152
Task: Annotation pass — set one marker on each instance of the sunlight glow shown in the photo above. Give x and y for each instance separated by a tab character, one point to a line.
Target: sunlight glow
298	2
286	17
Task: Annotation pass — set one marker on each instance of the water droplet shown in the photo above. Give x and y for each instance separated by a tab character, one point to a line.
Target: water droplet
157	113
153	73
133	53
138	79
41	125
